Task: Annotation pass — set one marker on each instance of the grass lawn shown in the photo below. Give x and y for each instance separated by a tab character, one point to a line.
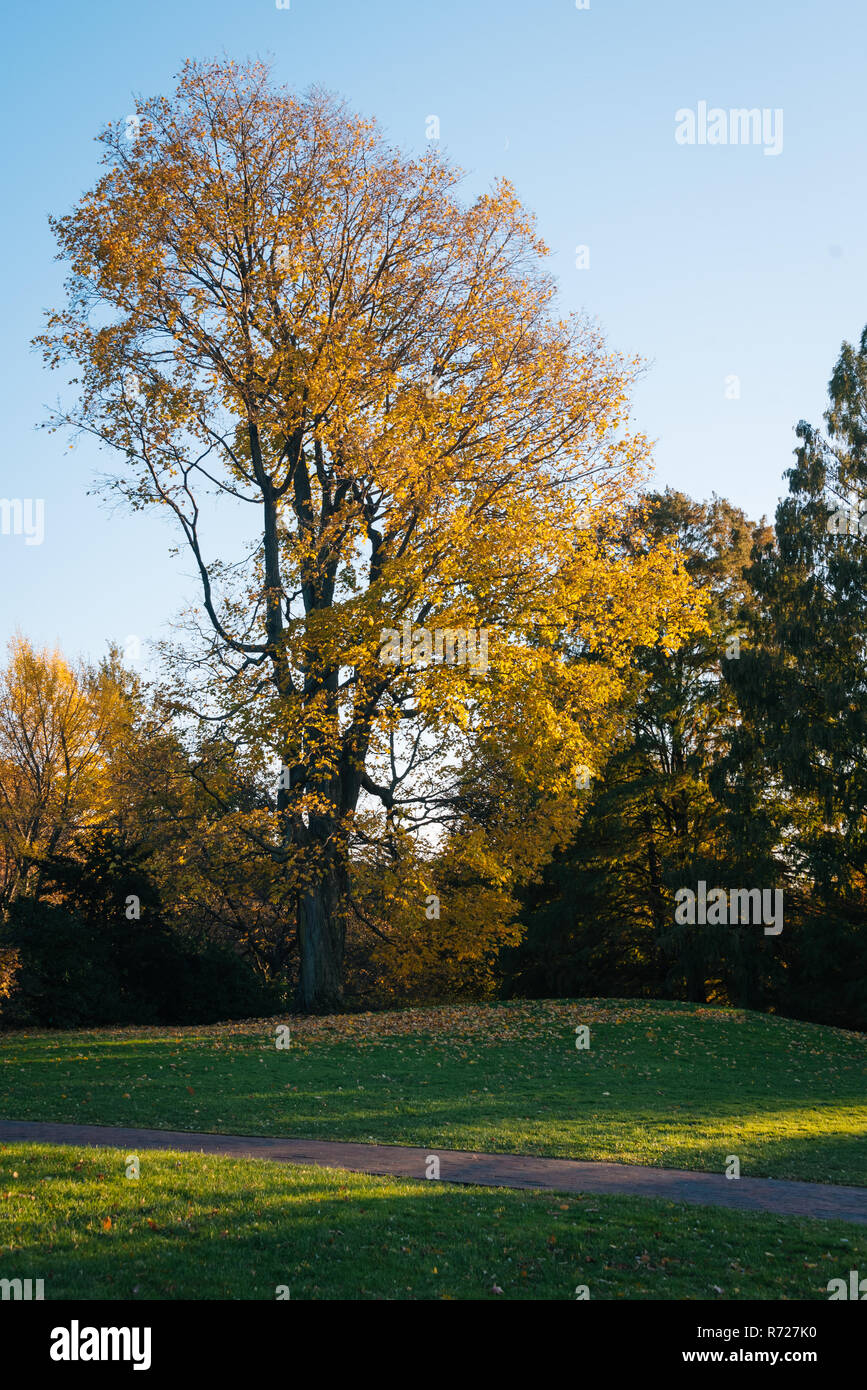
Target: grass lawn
215	1228
669	1084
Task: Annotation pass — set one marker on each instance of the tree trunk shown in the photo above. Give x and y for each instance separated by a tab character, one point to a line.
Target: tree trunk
696	983
321	940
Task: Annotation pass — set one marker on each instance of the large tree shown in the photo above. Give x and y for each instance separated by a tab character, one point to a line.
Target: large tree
271	308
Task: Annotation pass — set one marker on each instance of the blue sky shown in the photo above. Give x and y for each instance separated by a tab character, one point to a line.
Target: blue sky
710	261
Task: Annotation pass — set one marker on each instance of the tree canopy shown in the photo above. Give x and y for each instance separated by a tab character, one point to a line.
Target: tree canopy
271	309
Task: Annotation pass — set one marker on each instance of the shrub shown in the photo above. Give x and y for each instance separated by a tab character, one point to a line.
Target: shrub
73	974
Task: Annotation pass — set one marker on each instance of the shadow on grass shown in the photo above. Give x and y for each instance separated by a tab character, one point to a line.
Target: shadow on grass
201	1228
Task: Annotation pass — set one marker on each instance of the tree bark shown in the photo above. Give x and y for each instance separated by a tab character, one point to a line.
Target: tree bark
322	939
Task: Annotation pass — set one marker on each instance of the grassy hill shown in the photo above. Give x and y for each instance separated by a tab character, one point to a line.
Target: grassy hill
665	1084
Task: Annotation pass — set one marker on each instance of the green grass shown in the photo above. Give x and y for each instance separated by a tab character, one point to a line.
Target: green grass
214	1228
663	1084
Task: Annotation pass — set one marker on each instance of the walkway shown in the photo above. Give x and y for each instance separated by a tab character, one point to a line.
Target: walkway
783	1198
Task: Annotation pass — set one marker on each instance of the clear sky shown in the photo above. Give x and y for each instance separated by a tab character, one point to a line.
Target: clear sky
712	261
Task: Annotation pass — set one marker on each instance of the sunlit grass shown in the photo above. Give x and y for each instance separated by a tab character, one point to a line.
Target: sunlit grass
199	1227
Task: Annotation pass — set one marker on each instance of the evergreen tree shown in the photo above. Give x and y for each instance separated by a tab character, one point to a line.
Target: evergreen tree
801	686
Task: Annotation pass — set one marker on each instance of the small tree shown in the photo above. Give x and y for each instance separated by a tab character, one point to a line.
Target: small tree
57	726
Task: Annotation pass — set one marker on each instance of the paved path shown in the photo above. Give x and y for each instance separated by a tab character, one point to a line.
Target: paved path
488	1170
